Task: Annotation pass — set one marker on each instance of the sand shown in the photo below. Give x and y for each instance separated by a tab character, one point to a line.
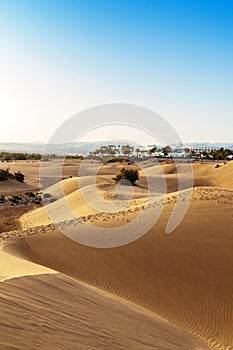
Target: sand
57	312
163	291
13	265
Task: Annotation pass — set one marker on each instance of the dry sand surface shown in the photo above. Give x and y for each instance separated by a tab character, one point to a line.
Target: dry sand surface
13	265
31	170
163	291
57	312
10	216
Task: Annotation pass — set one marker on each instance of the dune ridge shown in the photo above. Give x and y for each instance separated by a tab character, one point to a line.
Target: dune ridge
79	208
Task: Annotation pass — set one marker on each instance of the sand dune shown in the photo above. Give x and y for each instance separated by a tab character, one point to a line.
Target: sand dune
204	174
74	204
61	313
207	174
184	277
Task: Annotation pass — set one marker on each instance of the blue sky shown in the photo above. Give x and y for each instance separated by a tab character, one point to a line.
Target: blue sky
172	56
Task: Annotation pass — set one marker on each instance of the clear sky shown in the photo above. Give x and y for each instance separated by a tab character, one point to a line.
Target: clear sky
172	56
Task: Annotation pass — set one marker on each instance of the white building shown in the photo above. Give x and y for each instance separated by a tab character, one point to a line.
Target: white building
202	148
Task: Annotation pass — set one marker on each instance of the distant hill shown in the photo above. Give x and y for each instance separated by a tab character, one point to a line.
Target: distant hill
208	144
61	148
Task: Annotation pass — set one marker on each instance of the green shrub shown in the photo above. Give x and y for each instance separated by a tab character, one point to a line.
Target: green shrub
15	198
118	160
30	194
19	176
128	174
4	174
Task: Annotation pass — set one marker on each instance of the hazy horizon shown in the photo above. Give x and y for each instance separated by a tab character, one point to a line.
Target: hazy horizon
114	141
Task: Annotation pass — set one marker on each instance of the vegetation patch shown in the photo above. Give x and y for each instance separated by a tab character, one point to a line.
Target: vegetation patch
30	194
9	156
19	176
21	199
119	160
129	175
6	175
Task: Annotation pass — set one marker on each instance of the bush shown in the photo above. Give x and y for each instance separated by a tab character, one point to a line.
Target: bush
30	194
128	174
4	174
15	198
118	160
19	176
37	201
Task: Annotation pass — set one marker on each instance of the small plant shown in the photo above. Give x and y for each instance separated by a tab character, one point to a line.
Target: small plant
17	197
30	194
4	174
128	174
14	198
19	176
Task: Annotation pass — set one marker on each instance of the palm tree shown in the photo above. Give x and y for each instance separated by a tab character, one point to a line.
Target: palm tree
126	149
137	150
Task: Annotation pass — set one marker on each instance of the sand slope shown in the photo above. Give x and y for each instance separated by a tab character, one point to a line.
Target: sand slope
13	265
207	174
185	277
204	174
56	312
74	204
